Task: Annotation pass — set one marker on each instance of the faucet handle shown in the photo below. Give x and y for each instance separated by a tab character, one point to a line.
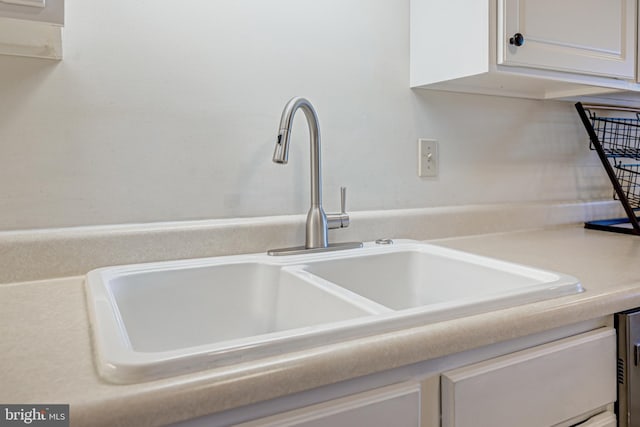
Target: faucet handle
339	220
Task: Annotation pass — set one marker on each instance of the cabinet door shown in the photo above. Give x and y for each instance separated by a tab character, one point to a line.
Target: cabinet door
582	36
541	386
397	406
31	28
49	11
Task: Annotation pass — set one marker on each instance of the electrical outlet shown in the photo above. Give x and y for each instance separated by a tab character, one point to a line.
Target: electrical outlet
428	158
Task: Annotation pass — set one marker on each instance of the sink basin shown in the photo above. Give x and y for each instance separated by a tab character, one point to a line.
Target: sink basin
145	316
157	320
183	307
422	275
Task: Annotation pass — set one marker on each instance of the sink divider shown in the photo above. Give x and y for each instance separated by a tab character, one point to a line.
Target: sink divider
366	304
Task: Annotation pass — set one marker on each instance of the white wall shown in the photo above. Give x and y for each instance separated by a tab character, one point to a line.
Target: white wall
165	110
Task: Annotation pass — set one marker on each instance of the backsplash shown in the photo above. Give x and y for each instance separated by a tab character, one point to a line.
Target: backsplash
168	112
45	254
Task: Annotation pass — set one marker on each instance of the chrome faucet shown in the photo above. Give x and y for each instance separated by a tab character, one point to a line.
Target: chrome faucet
318	222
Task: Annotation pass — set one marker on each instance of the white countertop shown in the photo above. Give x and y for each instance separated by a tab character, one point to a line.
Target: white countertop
46	351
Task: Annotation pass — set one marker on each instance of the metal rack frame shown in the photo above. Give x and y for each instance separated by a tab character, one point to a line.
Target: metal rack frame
625	143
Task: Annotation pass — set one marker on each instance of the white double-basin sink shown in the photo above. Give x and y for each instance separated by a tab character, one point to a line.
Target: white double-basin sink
157	320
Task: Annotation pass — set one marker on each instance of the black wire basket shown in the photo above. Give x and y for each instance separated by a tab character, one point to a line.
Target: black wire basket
620	137
617	142
629	178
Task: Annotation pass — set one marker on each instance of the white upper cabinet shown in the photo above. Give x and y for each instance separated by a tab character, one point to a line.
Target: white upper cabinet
577	36
31	28
524	48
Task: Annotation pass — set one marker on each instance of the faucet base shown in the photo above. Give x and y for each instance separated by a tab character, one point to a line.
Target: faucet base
299	250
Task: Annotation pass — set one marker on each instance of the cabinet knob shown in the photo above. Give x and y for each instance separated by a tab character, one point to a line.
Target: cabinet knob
517	39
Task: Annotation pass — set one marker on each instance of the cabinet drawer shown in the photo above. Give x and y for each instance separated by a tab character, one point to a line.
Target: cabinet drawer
397	406
541	386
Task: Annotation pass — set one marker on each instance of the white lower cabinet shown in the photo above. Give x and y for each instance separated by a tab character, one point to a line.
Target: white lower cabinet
547	385
397	406
561	378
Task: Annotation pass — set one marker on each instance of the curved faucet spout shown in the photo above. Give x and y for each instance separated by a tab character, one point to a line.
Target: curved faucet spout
281	153
317	235
318	222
